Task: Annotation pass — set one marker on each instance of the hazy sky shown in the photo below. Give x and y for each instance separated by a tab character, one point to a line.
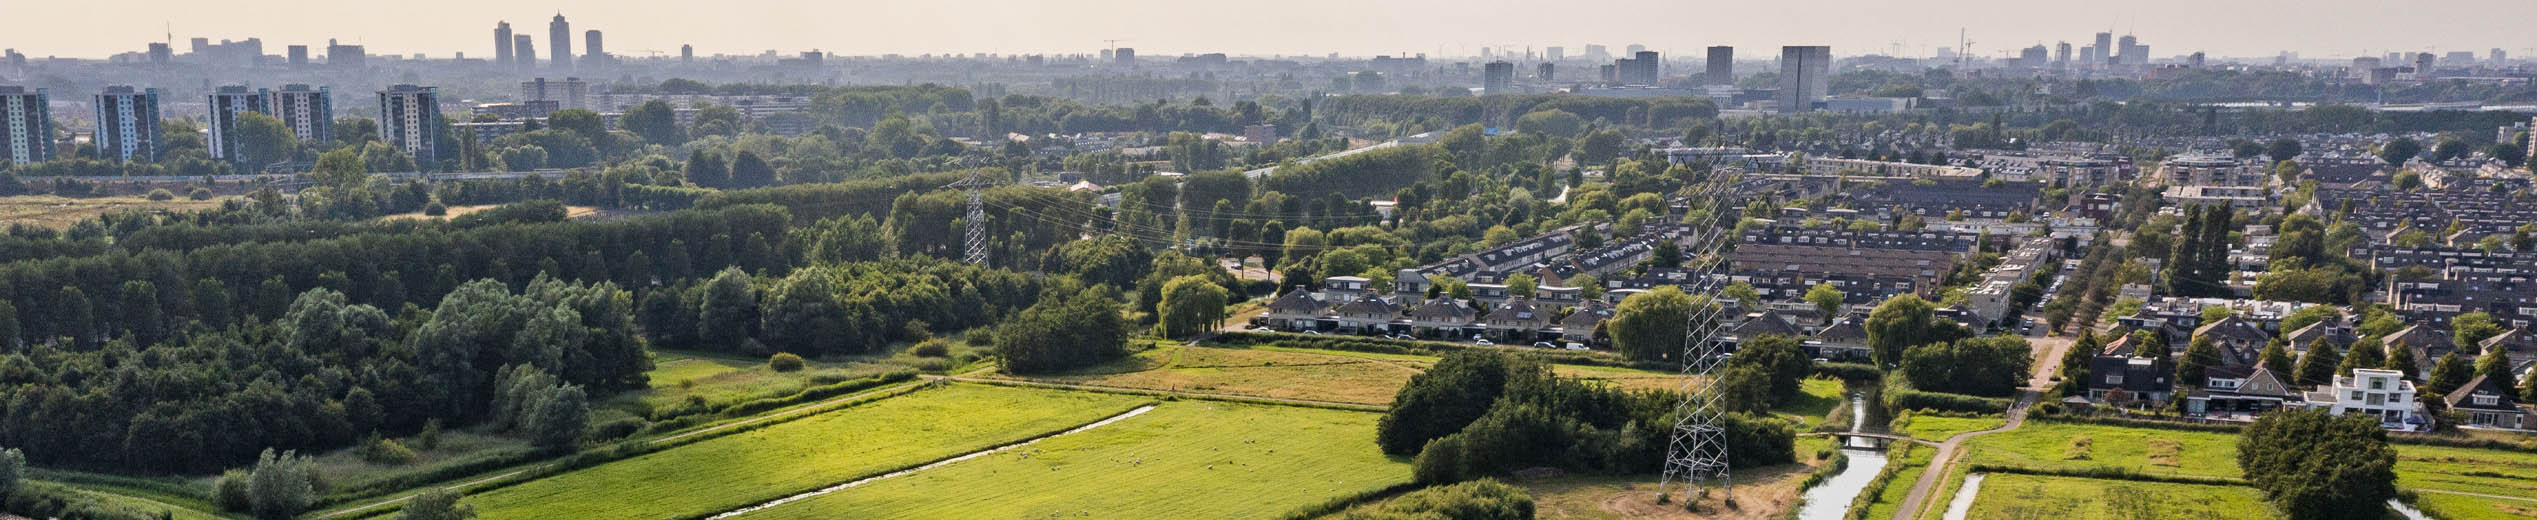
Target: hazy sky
2316	28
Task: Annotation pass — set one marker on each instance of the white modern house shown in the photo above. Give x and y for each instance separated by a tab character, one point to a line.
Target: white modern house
2383	393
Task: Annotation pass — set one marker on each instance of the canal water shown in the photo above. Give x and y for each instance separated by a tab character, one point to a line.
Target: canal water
1830	500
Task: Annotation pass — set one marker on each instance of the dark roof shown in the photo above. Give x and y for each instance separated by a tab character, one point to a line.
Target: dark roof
2144	376
1296	302
2460	399
2265	383
1768	322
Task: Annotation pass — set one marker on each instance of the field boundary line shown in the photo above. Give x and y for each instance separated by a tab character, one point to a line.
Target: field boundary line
2469	494
788	414
1140	410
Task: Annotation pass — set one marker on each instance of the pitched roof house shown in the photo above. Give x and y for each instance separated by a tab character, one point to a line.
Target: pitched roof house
2488	403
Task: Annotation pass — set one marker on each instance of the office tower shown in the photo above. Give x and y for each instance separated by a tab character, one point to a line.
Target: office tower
524	53
1544	71
128	124
159	53
1498	77
1125	57
1721	65
346	56
2035	56
559	44
299	56
2422	65
2061	54
1597	53
2088	57
2105	50
2195	61
2499	57
568	93
26	126
593	54
407	115
1639	69
1556	53
226	104
1803	70
501	44
2124	53
1634	49
686	53
310	114
1610	73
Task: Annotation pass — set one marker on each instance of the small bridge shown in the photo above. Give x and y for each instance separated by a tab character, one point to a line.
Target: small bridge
1879	438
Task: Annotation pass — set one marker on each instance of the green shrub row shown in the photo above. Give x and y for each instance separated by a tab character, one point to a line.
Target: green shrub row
1875	490
1900	398
1422	348
2104	473
45	500
1849	371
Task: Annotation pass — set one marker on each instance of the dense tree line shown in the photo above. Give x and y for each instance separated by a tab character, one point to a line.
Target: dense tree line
1479	413
2312	465
831	309
322	374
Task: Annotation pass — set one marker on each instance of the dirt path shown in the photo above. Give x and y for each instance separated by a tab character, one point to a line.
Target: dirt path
789	412
2048	358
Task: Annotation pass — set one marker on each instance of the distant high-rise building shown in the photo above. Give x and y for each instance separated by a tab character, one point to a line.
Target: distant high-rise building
593	54
1803	72
2459	59
346	56
2105	50
1125	57
686	53
2088	57
2499	58
1556	53
2061	54
128	124
1634	49
1498	77
2423	65
1638	69
568	93
501	44
299	56
309	113
1721	66
2124	53
407	115
2036	56
524	53
2196	60
559	44
1545	71
1597	53
226	104
160	53
1610	73
26	125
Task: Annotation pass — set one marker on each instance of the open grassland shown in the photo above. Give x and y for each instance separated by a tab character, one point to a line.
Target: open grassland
1889	498
2008	495
570	212
2071	446
119	500
346	469
678	379
2491	472
1938	429
56	212
1319	375
1184	459
2462	507
747	468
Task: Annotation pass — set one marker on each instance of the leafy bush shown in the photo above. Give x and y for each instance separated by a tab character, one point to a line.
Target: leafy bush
436	209
616	429
1899	398
199	193
524	212
932	348
230	491
784	362
161	194
1484	499
386	451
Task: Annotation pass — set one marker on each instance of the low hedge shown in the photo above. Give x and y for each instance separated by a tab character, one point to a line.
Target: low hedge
1348	343
815	393
2104	473
1849	371
1873	492
47	500
1908	399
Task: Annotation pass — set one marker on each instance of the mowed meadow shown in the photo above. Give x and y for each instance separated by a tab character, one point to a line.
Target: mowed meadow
747	468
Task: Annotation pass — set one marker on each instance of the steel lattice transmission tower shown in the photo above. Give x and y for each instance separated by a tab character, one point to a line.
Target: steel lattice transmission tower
977	246
1697	455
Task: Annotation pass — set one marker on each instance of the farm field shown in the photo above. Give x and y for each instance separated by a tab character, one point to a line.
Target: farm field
2009	495
2461	507
2073	446
1184	459
1321	375
57	212
747	468
1938	429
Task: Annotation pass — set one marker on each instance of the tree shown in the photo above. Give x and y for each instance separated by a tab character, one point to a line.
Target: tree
1782	358
2317	367
1599	147
436	504
2495	364
749	171
2282	149
655	122
12	470
2401	359
1522	286
341	167
260	140
2448	149
2528	388
704	168
1651	325
2450	373
1994	366
559	419
1190	304
1743	293
2277	360
2400	150
1551	122
281	485
2200	357
1063	332
2366	353
1442	400
1826	298
2312	465
1904	321
729	310
2470	330
379	157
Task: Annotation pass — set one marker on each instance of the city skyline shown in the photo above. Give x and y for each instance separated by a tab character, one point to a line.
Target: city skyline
1446	29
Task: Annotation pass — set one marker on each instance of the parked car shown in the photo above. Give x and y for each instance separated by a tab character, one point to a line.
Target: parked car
1545	344
1576	346
1482	342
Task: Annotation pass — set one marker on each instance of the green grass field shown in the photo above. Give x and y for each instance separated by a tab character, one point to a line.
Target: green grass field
1184	459
747	468
1321	375
117	500
345	469
1938	429
2460	507
2006	496
1890	498
2071	446
2491	472
676	377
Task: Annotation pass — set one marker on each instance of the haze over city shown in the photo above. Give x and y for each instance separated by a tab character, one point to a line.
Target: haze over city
2322	28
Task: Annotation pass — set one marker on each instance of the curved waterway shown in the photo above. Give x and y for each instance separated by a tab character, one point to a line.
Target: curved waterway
1830	500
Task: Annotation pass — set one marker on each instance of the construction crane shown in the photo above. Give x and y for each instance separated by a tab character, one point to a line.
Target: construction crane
1112	43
